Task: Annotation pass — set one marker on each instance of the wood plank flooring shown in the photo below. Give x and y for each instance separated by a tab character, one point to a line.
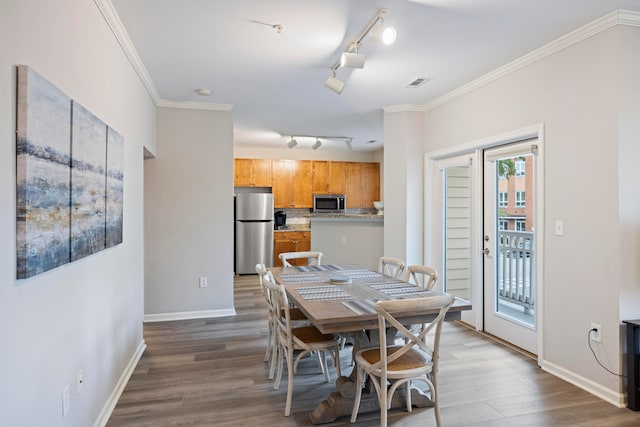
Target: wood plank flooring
211	372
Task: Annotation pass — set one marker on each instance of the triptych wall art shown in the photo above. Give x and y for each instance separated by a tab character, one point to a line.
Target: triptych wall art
69	184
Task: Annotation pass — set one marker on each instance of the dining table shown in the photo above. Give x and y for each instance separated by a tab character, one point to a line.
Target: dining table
341	299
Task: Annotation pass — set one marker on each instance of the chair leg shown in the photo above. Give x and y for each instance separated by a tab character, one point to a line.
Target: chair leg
382	400
358	396
287	407
408	393
280	355
267	354
274	355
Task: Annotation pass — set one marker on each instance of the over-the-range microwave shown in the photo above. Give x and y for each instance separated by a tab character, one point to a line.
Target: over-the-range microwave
329	203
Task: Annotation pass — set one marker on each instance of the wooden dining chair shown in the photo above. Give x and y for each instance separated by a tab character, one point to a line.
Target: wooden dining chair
304	340
392	267
402	364
313	257
422	275
297	318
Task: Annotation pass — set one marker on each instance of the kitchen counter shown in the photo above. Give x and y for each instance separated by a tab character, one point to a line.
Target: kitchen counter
346	217
294	227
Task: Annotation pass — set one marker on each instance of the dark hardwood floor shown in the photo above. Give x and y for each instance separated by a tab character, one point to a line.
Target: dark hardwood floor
211	372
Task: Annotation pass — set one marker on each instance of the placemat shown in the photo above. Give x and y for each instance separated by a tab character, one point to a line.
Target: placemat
323	267
301	278
400	290
323	293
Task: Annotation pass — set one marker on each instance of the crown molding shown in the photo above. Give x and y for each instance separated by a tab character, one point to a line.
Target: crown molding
115	24
405	108
618	17
193	105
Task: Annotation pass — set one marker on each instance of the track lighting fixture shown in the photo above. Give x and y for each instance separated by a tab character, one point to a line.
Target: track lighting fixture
351	58
334	84
305	140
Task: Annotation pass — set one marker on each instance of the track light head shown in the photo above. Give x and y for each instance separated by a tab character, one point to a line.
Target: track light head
347	142
292	143
334	84
317	144
383	34
352	60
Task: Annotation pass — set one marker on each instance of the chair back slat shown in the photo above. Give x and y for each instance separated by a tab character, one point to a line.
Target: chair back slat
392	267
422	275
386	318
313	257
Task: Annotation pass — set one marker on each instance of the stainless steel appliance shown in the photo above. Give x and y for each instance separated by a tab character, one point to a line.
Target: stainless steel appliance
329	203
253	231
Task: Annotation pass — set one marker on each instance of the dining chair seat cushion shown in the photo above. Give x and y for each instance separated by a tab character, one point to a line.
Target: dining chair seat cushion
311	335
411	360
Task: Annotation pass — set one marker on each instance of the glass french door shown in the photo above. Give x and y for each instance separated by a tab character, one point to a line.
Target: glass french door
509	235
453	193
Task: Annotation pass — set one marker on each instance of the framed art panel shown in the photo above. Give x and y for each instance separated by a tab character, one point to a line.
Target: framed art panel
115	179
43	156
88	183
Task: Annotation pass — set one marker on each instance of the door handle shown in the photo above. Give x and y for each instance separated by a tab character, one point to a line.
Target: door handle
486	251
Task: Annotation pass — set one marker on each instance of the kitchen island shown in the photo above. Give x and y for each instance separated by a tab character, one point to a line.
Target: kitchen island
348	238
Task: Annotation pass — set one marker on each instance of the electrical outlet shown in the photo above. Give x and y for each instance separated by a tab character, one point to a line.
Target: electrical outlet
203	282
66	401
596	332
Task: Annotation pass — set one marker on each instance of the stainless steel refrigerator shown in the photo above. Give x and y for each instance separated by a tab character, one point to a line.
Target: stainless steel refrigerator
253	231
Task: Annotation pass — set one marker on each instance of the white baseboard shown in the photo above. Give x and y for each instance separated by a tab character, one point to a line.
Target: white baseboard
110	405
188	315
608	395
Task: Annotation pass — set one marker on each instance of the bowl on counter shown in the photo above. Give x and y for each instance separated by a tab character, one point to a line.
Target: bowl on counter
379	206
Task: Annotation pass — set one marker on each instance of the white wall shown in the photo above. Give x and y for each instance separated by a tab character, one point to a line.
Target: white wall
575	93
403	186
629	174
87	314
353	241
189	216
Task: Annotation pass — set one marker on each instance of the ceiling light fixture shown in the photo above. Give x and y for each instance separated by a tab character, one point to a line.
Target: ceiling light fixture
351	58
334	84
203	92
317	144
348	142
292	143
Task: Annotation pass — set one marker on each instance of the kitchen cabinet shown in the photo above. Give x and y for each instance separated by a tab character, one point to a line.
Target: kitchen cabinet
292	186
252	173
290	241
329	177
362	184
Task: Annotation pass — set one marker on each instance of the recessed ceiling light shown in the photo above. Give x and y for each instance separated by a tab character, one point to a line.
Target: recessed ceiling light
203	92
418	82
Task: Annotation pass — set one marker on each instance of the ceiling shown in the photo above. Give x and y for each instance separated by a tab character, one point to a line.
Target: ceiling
274	81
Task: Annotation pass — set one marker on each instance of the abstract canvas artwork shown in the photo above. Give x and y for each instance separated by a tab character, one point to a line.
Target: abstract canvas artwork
88	183
70	178
43	165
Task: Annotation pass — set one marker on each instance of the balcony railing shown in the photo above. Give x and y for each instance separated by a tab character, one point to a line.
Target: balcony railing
515	266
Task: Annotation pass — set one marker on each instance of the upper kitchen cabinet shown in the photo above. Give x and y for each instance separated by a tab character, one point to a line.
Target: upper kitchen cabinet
362	184
252	172
329	177
292	186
